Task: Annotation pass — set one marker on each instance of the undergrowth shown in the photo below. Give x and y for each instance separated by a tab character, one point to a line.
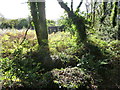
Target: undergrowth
21	68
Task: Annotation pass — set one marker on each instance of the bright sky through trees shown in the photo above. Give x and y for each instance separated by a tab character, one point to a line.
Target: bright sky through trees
19	9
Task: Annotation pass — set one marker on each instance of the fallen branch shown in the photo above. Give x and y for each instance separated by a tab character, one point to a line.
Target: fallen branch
25	35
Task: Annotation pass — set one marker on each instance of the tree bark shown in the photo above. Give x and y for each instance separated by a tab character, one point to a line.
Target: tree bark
43	27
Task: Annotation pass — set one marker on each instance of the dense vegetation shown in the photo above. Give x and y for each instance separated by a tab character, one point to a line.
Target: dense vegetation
85	56
20	64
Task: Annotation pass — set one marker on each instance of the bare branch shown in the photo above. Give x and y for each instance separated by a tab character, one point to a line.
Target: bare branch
71	5
66	8
63	5
79	5
25	35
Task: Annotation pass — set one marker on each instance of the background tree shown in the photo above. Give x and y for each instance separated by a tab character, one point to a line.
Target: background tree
51	23
22	23
114	14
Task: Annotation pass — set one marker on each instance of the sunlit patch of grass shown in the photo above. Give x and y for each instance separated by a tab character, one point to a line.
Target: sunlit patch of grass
60	41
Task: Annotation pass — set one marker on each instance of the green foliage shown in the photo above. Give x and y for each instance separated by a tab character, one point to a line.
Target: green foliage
23	70
64	20
14	39
18	64
60	42
23	23
21	59
62	46
114	46
51	23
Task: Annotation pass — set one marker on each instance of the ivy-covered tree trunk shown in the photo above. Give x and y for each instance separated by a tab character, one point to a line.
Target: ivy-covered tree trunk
119	20
104	5
77	20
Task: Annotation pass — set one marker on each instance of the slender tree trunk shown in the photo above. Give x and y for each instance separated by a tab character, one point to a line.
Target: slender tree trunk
104	13
94	16
91	11
119	20
114	14
119	31
87	7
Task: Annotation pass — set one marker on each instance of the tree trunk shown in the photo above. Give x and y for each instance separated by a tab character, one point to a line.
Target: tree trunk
39	20
104	13
94	16
119	31
43	27
114	14
119	20
78	21
36	22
